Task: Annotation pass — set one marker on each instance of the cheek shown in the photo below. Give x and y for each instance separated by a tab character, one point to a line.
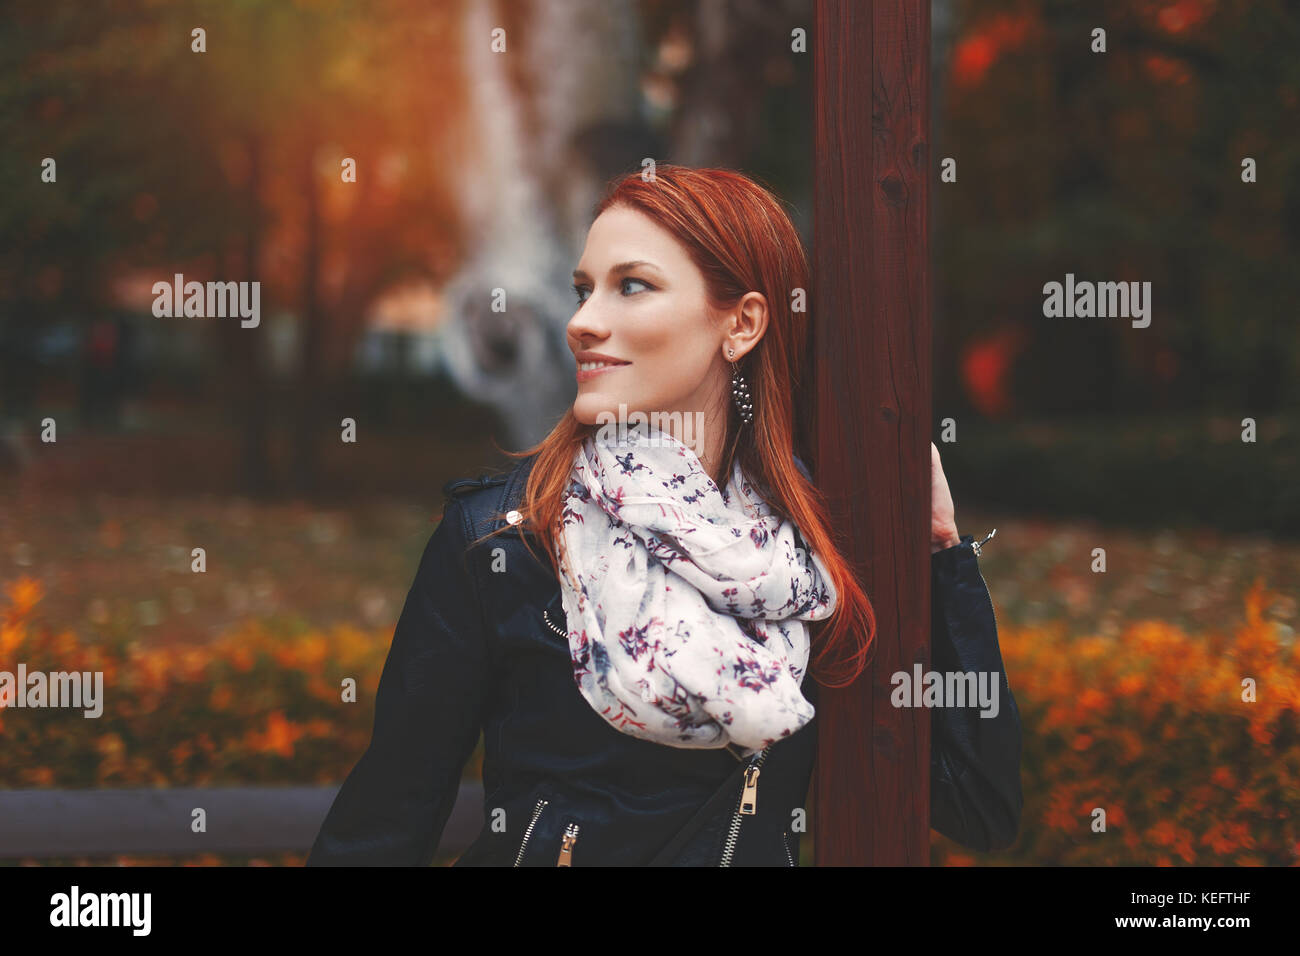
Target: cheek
667	364
675	345
650	343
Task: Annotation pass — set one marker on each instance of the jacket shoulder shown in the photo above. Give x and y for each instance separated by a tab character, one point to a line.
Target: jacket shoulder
459	487
489	497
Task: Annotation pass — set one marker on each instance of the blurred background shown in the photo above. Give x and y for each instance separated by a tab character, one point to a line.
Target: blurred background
380	170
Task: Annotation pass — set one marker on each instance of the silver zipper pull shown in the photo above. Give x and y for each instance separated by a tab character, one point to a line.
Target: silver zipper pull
566	851
976	545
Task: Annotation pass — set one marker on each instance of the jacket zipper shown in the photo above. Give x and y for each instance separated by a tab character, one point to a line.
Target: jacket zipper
746	805
537	812
566	850
547	618
785	839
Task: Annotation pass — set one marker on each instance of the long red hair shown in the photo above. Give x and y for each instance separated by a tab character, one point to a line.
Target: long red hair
739	236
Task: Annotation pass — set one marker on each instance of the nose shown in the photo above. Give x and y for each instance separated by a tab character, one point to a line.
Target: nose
587	327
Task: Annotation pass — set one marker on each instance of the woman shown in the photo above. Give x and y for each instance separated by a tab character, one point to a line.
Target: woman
630	613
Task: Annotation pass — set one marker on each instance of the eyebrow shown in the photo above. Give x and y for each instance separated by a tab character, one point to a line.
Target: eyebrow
620	268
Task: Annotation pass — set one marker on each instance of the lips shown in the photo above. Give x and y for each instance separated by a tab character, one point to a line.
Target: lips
591	364
587	357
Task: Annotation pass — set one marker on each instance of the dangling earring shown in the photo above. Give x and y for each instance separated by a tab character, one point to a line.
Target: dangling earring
740	392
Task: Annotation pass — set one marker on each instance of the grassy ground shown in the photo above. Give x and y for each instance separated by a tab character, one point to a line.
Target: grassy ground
112	564
118	564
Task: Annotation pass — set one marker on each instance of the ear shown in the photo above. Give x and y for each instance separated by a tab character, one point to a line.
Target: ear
745	326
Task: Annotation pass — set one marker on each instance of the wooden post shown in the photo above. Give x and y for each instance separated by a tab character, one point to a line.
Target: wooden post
871	369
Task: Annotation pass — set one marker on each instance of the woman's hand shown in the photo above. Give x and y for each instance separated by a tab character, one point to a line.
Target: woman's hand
943	517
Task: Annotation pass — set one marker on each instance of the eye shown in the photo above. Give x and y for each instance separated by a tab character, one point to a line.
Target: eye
578	290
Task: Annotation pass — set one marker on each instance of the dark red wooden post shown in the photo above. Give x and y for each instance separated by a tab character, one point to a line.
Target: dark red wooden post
871	327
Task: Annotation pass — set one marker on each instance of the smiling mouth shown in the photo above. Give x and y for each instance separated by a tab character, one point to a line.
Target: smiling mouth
589	370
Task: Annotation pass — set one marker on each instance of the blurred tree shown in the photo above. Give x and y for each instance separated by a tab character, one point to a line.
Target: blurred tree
1124	166
227	164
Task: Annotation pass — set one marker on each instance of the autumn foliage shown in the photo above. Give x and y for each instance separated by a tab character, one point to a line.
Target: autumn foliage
253	707
1149	725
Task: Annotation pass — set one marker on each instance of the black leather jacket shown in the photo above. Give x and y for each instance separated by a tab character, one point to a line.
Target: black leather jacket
475	649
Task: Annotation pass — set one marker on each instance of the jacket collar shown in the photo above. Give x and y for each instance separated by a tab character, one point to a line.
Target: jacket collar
511	495
516	481
512	492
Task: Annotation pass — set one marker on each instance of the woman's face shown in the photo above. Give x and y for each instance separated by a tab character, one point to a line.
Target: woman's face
642	308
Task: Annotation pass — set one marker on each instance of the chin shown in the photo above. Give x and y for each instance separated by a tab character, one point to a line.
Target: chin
587	408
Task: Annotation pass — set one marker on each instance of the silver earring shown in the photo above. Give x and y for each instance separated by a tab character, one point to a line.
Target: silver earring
740	392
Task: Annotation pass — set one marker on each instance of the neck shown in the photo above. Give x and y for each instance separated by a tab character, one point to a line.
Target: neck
706	439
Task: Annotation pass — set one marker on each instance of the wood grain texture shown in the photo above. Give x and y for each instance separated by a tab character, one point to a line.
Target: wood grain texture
871	413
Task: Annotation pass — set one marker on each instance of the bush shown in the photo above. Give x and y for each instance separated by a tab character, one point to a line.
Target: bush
260	705
1151	727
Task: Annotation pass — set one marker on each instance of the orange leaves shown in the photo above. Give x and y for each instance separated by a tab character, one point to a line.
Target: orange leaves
307	652
1130	685
1151	726
21	596
256	705
242	658
278	737
12	636
1223	777
1255	603
1090	701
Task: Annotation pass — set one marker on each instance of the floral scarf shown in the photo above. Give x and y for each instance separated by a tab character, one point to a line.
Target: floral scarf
685	603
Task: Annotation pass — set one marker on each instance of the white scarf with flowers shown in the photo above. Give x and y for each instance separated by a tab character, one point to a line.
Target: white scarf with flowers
686	605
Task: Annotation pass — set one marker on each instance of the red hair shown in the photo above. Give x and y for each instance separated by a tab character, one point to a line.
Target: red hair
741	239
